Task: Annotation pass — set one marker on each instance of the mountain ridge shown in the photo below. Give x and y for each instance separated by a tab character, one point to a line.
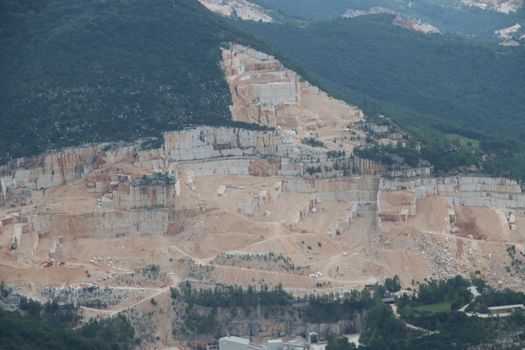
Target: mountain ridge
77	73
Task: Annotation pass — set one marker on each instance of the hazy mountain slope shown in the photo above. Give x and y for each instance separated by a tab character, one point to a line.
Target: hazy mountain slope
447	15
425	81
241	9
18	332
85	71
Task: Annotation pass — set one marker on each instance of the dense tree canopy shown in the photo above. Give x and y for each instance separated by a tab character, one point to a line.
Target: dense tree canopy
433	85
447	15
17	332
89	71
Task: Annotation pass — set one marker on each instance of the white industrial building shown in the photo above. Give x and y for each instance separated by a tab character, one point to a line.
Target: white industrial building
236	343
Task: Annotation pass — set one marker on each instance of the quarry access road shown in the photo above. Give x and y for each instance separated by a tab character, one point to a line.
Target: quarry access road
411	326
110	313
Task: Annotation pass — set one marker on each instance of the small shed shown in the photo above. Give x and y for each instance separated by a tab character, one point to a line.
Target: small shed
504	309
233	343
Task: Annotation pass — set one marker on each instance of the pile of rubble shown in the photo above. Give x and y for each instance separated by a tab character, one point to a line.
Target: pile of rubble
438	254
92	296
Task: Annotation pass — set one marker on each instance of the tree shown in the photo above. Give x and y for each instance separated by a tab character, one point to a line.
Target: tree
392	284
338	343
382	329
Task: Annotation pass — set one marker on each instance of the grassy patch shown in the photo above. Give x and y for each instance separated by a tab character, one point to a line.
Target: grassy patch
445	306
462	140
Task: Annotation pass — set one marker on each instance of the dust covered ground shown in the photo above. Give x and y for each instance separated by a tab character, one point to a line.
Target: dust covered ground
219	243
133	244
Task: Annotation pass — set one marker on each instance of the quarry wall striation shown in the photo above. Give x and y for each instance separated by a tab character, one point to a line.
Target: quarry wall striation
464	190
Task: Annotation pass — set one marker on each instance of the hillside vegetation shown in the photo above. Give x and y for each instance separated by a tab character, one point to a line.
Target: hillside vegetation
448	15
89	71
33	333
434	85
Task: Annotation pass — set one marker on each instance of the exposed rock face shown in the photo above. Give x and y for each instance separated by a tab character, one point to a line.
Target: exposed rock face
207	142
206	151
409	173
465	191
415	25
291	191
267	93
138	196
106	224
259	84
507	33
503	6
242	190
263	325
237	8
218	167
372	11
410	24
346	189
396	205
510	36
47	170
258	202
59	168
368	167
264	167
85	296
16	239
129	207
358	183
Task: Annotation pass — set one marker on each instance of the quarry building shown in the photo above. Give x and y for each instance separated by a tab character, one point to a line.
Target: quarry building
111	227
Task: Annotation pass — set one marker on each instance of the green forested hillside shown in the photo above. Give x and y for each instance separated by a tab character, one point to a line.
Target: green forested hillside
431	84
89	71
448	15
20	333
86	71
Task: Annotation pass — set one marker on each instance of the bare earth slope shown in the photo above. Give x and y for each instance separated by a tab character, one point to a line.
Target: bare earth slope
211	206
242	9
503	6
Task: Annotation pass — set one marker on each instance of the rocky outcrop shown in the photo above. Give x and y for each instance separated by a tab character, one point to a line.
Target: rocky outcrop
510	36
503	6
59	168
409	172
396	205
139	196
218	167
208	142
259	85
355	183
368	167
258	202
464	190
267	93
106	223
399	20
206	151
263	324
149	205
90	296
48	170
357	188
16	238
416	25
203	143
242	9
